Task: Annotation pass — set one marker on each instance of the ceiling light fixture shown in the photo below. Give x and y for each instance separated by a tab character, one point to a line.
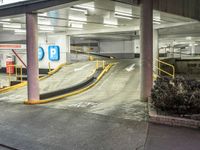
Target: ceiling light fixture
46	28
156	22
123	16
90	6
12	26
110	25
20	31
188	38
77	22
76	8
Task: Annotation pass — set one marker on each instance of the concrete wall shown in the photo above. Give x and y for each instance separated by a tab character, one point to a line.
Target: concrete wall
62	41
119	49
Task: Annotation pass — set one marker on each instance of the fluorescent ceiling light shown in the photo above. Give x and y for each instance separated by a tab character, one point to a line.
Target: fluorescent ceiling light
79	9
110	22
5	19
44	22
12	29
188	38
124	14
75	29
77	22
123	17
45	28
77	18
76	25
156	22
44	14
12	25
110	25
4	22
89	6
20	30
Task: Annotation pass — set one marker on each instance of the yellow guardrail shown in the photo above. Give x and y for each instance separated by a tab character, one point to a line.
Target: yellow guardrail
14	87
16	72
171	74
100	64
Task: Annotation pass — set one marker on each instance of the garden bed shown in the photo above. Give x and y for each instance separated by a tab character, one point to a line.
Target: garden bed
175	102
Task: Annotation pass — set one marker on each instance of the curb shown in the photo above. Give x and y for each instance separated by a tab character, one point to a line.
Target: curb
169	120
52	99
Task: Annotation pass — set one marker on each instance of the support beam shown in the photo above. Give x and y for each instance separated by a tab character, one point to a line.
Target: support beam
32	57
146	46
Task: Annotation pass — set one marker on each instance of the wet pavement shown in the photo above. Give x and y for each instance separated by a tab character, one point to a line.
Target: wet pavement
108	116
39	128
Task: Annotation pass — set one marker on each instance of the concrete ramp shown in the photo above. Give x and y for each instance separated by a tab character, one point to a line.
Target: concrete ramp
117	94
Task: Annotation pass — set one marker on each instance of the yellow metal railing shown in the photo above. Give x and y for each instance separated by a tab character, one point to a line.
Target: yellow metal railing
171	74
100	64
16	72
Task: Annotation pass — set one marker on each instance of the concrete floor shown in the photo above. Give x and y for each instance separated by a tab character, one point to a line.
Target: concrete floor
4	79
69	75
109	116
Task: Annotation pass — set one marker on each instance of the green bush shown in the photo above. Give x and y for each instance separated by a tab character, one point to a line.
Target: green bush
177	96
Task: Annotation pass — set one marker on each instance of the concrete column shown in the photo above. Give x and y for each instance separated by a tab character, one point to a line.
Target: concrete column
155	51
32	57
68	53
146	46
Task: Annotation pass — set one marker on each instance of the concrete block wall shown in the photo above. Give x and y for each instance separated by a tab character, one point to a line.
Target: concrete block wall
119	49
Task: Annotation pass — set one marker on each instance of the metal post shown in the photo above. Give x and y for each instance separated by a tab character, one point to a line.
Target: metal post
32	57
146	45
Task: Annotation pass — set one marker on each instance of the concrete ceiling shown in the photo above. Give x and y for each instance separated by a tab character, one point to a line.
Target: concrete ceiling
98	20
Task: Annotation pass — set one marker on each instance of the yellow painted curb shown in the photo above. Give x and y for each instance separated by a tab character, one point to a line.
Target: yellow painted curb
106	69
17	86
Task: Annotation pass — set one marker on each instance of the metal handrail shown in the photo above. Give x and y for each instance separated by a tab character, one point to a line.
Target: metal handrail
165	63
100	64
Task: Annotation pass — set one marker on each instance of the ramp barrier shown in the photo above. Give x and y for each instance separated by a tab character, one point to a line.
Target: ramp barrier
76	89
17	74
22	84
160	70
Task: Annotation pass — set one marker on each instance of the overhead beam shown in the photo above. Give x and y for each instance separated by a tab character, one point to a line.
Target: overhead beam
36	6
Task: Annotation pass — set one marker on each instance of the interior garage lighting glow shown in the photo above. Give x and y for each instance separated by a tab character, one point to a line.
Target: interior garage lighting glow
79	9
89	6
44	22
12	26
110	25
77	22
156	22
188	38
46	28
20	31
76	25
123	16
110	22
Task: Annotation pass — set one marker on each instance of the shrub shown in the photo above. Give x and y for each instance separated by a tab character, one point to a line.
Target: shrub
177	96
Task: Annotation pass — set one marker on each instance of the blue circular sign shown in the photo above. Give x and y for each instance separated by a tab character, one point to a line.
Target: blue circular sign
40	53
